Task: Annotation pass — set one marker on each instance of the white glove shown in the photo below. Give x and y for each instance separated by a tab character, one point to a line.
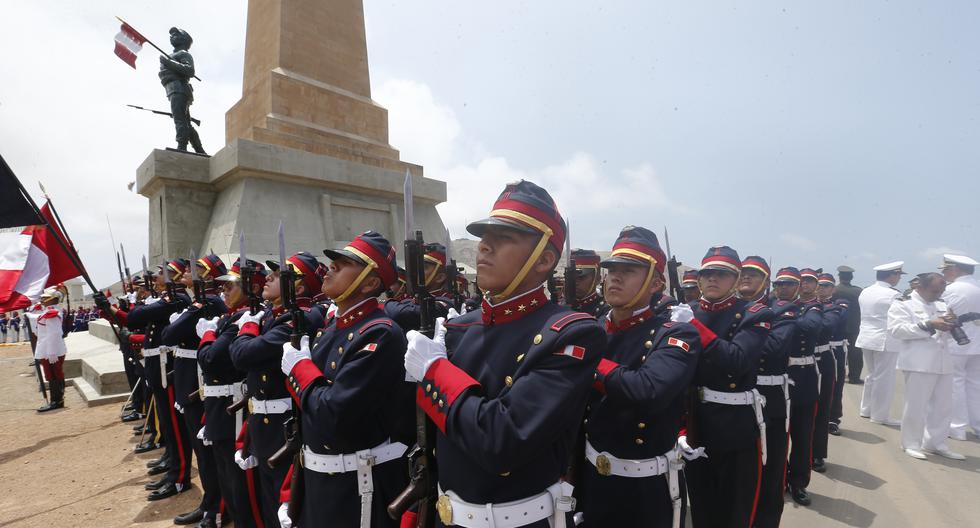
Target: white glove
131	297
203	325
291	356
422	352
452	313
175	315
245	463
150	300
462	309
681	313
332	311
284	519
249	318
689	452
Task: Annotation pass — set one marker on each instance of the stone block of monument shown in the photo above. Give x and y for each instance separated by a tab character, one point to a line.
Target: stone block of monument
306	144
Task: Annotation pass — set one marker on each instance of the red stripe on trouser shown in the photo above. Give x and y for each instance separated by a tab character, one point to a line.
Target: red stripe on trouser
816	409
54	370
180	444
221	507
758	482
253	501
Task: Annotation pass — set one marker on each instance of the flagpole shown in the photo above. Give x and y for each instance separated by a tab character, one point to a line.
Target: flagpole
150	42
75	259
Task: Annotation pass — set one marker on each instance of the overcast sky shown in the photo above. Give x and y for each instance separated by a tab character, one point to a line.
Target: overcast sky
811	133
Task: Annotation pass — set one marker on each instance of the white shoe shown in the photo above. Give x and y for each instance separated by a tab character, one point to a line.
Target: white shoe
945	452
957	435
915	453
865	415
893	423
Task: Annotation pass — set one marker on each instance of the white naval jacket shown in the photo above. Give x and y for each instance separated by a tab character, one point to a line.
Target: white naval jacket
46	323
875	301
918	350
963	296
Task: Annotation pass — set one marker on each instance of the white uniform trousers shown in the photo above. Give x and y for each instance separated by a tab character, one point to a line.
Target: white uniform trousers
879	385
928	405
966	394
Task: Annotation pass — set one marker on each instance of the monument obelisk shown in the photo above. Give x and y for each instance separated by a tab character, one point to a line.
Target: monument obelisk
306	144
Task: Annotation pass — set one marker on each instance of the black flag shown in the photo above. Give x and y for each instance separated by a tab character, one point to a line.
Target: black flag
15	209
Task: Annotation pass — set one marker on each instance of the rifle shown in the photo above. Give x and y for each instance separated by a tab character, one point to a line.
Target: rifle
122	278
451	273
247	271
421	488
197	281
146	279
672	266
571	273
161	112
126	268
171	288
552	284
293	426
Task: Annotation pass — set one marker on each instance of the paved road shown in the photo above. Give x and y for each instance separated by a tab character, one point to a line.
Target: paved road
871	482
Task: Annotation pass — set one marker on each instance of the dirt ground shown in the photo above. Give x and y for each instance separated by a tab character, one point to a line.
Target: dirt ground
74	466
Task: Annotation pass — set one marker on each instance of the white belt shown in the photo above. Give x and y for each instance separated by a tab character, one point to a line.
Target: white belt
821	349
751	397
352	462
552	503
801	361
186	353
280	406
670	462
362	462
771	381
221	391
150	352
837	343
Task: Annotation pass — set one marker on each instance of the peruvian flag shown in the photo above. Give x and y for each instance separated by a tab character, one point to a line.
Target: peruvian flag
129	42
30	260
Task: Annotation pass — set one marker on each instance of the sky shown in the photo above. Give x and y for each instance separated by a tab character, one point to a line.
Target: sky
812	134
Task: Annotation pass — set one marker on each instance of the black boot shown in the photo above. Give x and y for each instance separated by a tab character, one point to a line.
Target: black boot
800	496
819	465
196	143
57	396
190	517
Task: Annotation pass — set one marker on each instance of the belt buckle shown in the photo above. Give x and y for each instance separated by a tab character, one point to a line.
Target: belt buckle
200	393
603	466
701	394
251	408
444	508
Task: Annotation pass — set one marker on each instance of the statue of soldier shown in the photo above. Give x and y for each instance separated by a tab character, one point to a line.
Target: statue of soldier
175	74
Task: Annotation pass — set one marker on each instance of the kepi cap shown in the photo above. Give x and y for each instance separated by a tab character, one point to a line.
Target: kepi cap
891	266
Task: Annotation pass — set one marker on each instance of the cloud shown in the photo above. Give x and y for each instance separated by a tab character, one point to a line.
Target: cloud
936	253
586	189
798	241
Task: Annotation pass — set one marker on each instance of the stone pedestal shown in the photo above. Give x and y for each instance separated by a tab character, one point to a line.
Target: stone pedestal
202	204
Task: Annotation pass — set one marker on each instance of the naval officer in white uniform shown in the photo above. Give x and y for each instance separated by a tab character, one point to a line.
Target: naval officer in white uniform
920	326
963	296
880	356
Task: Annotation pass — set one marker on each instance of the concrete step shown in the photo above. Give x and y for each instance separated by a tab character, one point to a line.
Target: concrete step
93	397
96	365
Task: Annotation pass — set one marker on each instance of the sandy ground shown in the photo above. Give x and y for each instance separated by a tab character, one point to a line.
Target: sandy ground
75	467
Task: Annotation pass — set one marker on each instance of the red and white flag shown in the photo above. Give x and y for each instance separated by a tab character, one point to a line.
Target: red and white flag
31	260
129	42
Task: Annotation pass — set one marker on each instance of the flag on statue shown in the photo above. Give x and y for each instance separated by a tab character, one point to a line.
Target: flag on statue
30	261
129	42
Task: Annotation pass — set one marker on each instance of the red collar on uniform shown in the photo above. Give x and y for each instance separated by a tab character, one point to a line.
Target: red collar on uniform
725	304
357	313
303	302
630	322
588	299
514	308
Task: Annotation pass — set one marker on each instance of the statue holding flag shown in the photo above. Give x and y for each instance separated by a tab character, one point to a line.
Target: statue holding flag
176	71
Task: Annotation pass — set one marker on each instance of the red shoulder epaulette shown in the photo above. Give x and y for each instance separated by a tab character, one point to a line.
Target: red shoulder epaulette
373	323
569	319
756	307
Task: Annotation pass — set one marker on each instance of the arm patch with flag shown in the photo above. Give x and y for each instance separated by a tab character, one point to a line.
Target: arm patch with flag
129	42
572	351
673	341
